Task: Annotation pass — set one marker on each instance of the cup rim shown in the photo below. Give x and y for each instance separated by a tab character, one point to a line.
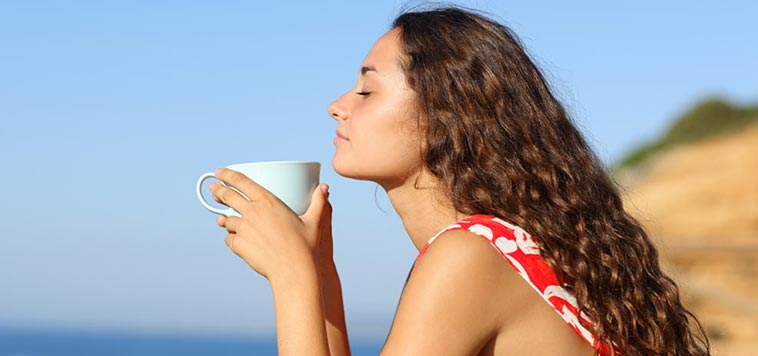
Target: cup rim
271	162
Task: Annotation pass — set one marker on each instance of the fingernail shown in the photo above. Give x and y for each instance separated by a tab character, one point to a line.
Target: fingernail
325	188
217	171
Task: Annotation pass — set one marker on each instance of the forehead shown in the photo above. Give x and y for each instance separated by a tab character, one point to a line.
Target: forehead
385	53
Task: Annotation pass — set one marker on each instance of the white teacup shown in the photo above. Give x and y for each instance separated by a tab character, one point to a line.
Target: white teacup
292	182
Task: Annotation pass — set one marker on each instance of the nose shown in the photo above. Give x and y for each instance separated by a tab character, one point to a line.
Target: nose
339	109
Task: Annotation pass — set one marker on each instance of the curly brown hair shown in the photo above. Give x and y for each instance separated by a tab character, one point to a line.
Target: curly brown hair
503	145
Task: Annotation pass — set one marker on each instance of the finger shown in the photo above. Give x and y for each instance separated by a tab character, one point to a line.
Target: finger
229	240
319	200
232	223
214	197
212	186
247	186
326	218
234	243
230	198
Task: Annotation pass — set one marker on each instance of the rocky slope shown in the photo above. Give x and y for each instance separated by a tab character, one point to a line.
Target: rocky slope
699	203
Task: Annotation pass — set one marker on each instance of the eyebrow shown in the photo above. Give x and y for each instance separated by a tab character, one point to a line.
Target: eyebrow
366	69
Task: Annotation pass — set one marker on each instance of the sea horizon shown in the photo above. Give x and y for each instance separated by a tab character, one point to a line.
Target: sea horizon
51	341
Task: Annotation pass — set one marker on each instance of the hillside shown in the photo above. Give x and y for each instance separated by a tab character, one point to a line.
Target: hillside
708	118
705	192
698	200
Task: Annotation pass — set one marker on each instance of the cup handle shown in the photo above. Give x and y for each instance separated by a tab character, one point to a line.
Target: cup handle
225	212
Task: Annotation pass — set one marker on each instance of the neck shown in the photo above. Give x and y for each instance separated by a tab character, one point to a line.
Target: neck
424	208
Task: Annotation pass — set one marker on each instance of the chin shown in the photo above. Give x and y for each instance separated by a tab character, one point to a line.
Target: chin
343	169
348	170
340	167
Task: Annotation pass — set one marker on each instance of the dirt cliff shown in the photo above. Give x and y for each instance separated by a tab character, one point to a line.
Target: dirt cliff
699	203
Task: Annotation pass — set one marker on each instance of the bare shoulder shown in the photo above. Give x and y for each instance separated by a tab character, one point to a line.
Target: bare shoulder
451	304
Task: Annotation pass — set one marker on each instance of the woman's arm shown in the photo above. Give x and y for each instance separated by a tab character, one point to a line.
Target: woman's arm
300	327
310	318
334	312
331	288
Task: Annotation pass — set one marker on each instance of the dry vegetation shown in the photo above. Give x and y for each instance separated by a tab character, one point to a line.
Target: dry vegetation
699	203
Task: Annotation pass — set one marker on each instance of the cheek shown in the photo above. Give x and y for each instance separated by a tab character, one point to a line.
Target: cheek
388	149
381	135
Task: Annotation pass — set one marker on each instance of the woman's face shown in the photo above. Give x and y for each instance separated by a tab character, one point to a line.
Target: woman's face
377	120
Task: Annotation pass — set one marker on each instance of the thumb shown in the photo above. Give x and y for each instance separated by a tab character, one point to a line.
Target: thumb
319	200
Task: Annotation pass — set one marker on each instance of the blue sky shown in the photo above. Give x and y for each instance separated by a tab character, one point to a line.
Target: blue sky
110	112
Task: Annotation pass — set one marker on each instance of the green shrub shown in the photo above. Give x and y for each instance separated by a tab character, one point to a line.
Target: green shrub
706	119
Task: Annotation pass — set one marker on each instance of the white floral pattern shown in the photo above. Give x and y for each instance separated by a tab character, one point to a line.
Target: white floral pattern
505	245
523	239
481	230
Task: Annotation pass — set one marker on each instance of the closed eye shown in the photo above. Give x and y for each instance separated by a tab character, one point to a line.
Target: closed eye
363	93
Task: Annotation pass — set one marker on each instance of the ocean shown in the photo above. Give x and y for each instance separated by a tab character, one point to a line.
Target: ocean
15	342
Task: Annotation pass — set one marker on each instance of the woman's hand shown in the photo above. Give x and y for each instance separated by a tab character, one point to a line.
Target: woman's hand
269	236
321	245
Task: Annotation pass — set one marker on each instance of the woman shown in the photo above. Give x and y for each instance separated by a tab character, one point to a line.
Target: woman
532	251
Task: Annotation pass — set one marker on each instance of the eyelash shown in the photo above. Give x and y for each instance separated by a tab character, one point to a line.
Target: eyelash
363	93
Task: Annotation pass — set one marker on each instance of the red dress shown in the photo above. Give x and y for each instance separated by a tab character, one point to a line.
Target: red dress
518	248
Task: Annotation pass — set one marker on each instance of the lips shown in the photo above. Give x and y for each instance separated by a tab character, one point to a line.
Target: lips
342	136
